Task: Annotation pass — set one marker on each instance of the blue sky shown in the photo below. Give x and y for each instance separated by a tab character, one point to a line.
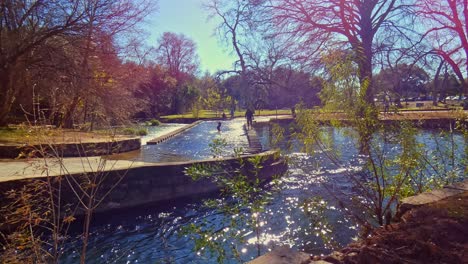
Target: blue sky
189	18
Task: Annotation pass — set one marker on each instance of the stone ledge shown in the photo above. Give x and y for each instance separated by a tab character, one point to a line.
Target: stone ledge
146	183
254	143
85	149
283	255
174	133
432	196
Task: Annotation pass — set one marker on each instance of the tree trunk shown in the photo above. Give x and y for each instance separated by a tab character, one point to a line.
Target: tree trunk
436	85
67	121
7	97
364	53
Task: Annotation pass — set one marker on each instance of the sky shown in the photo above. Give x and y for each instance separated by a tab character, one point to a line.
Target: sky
189	18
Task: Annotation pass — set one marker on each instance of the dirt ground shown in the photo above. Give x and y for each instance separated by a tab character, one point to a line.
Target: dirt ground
434	233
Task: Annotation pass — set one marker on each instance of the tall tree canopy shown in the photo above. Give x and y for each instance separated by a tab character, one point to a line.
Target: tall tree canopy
178	54
446	24
316	26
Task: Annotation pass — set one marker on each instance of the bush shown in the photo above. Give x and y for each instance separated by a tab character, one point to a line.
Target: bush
465	104
154	122
142	131
135	131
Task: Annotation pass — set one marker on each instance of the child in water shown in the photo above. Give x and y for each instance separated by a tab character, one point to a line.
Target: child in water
219	127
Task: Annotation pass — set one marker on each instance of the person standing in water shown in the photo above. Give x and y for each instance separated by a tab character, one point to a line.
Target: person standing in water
249	117
219	127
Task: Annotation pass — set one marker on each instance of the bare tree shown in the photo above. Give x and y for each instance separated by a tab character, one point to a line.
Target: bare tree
446	23
178	54
317	26
157	91
26	25
233	29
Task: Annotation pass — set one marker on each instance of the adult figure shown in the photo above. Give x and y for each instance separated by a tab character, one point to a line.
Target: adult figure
293	111
219	127
386	103
232	112
249	116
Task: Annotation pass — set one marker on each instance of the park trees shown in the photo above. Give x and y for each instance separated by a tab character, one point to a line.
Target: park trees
312	29
27	26
289	87
178	54
403	80
234	29
24	27
156	93
317	26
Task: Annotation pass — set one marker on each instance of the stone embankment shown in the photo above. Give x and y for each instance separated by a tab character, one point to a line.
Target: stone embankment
422	118
78	149
432	228
172	134
255	146
145	183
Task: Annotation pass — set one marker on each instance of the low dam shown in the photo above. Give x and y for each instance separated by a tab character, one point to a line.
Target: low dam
144	183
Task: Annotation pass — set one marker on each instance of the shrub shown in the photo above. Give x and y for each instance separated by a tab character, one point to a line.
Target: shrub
135	131
154	122
142	131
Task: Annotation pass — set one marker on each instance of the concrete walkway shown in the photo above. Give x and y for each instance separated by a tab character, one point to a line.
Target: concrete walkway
35	168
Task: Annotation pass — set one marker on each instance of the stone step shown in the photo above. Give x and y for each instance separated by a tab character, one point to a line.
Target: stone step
255	145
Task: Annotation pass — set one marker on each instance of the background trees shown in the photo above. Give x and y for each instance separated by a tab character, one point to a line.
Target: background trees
31	30
157	92
402	81
178	54
24	27
234	30
289	87
67	57
317	26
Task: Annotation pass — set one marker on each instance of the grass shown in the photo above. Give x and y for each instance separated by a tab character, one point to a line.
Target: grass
43	135
13	134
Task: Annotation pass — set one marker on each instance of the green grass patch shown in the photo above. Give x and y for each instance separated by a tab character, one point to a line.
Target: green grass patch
26	135
13	134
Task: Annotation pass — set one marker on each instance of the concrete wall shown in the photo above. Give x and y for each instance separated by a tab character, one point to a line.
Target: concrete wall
156	182
444	123
172	134
73	149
